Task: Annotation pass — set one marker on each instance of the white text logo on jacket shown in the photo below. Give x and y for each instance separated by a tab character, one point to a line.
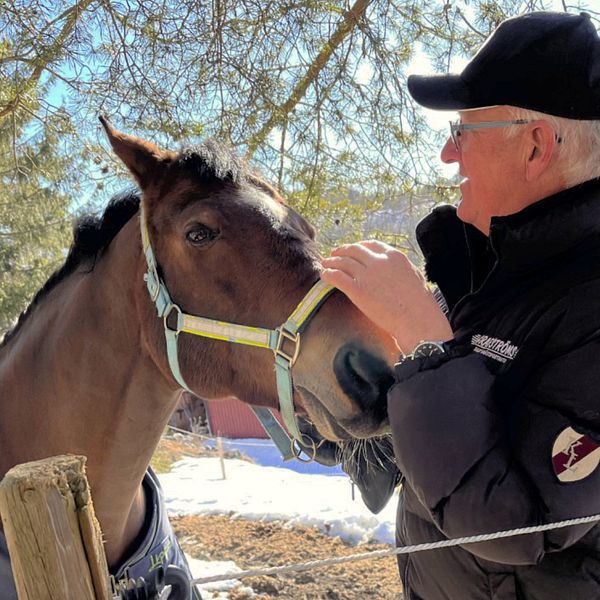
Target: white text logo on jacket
495	348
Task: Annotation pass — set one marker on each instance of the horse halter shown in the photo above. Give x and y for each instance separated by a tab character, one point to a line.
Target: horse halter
276	340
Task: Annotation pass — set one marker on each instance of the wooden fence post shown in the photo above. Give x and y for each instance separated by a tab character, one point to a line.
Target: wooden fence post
52	533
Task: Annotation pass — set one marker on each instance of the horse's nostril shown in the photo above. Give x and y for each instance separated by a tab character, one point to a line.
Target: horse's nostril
363	376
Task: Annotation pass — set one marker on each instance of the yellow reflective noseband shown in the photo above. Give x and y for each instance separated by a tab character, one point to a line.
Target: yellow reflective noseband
284	341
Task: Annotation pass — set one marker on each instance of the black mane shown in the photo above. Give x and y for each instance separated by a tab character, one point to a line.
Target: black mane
91	235
210	161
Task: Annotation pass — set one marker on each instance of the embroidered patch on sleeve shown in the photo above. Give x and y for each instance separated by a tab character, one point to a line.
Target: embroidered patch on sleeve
574	455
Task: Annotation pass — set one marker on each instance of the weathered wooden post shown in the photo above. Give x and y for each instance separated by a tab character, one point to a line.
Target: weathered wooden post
53	536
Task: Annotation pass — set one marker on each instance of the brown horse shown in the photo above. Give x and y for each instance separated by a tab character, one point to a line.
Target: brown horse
86	371
189	414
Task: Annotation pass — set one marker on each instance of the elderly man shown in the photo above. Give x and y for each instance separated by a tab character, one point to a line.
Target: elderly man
495	412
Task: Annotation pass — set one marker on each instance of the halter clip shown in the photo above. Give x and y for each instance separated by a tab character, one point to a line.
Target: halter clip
310	449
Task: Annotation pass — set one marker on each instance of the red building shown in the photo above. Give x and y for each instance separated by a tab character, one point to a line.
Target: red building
231	418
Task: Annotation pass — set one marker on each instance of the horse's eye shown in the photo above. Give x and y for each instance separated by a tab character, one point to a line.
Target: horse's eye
200	234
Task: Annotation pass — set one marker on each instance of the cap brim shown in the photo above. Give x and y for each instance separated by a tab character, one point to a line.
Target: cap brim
440	92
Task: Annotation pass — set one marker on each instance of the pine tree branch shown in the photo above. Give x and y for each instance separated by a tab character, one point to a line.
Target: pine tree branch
71	17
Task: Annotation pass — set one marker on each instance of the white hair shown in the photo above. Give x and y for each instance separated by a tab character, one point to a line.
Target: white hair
578	152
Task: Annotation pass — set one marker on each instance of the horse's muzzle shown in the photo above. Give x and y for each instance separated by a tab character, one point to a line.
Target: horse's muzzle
365	378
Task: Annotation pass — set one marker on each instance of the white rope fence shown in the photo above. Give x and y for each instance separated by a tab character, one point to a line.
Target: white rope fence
191	433
315	564
227	442
472	539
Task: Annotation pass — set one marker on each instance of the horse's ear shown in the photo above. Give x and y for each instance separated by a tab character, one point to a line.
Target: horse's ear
144	159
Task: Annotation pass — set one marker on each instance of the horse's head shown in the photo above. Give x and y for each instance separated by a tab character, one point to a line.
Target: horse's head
228	248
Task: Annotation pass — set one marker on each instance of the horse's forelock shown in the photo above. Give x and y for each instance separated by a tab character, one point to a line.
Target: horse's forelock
213	161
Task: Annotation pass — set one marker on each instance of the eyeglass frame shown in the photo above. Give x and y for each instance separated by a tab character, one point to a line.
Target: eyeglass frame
456	128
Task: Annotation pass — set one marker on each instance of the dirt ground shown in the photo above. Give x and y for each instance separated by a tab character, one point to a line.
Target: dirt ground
257	544
254	544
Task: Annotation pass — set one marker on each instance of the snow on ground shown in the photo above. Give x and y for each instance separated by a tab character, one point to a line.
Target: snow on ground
217	590
292	492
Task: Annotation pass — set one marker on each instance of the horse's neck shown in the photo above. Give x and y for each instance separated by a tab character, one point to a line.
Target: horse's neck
77	378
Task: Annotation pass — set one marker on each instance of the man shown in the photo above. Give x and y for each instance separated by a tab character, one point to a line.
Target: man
495	412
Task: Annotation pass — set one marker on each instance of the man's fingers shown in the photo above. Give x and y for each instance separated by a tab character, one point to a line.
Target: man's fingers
377	246
347	264
357	251
339	279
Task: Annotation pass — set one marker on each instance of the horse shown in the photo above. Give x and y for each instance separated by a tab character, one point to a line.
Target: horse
88	368
189	414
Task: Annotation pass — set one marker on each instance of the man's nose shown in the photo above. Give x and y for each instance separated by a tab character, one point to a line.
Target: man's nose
449	152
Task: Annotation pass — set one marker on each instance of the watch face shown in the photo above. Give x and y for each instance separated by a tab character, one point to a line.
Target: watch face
428	349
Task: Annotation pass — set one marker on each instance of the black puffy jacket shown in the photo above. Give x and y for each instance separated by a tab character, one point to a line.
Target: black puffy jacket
504	430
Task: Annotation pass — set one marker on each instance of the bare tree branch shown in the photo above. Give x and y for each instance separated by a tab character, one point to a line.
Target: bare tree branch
279	114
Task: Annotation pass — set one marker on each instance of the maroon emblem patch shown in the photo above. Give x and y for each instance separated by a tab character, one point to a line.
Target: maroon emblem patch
574	455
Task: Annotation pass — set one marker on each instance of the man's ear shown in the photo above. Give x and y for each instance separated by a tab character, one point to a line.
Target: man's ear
144	159
541	140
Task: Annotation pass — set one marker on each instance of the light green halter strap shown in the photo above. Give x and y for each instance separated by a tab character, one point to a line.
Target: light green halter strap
278	340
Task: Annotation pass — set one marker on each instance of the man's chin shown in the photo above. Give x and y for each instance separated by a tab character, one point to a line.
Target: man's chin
463	212
466	215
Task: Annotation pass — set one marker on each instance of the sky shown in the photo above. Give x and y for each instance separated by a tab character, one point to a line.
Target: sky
292	493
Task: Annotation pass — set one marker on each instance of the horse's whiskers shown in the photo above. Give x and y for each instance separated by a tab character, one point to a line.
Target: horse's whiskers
366	453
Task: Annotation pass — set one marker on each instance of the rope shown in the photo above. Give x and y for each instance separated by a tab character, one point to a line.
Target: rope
315	564
190	433
268	443
226	441
472	539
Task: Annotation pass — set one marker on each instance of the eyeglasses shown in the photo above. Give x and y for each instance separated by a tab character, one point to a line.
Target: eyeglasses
456	128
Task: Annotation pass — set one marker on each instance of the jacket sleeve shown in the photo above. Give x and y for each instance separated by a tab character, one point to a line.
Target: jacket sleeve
454	444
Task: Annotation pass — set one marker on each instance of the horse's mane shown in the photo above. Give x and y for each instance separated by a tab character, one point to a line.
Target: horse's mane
209	162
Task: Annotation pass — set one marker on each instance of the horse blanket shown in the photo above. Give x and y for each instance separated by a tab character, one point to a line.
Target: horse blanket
158	547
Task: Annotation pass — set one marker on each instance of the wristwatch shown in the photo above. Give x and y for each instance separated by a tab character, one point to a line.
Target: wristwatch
424	349
410	364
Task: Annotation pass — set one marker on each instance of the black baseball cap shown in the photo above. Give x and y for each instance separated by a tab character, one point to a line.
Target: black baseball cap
543	61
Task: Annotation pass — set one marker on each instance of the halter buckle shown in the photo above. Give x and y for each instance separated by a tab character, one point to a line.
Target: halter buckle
170	309
281	339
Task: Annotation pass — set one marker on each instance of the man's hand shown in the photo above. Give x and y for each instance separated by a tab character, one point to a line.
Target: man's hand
389	290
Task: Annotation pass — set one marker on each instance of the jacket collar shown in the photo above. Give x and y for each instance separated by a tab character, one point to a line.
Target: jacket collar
458	257
548	228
